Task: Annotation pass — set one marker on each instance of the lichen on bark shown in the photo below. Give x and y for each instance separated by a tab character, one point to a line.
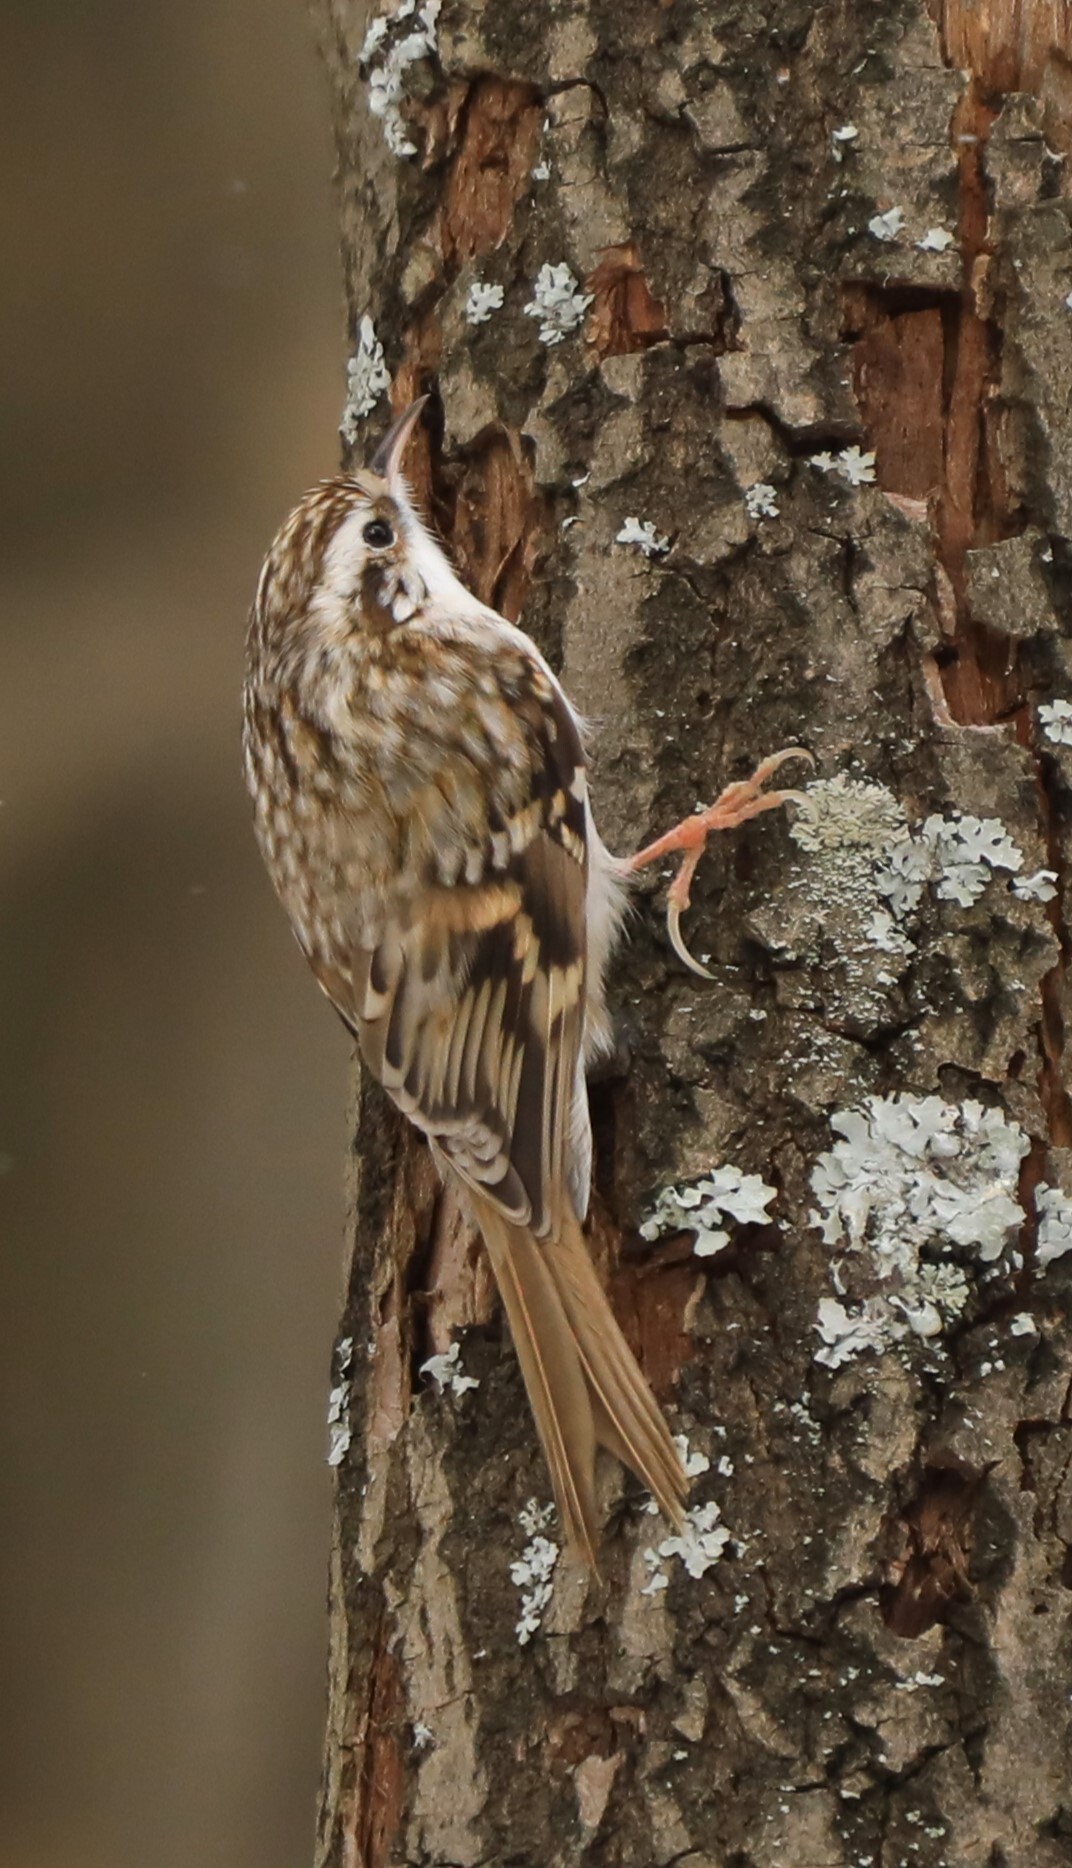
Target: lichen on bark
874	1670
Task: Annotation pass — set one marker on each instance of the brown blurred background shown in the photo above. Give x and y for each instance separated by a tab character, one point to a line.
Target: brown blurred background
173	1088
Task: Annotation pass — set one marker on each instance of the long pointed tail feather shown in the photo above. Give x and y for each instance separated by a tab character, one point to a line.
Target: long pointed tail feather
553	1372
583	1381
628	1419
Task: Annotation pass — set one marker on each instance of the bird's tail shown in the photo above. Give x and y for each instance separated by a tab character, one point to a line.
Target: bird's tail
584	1384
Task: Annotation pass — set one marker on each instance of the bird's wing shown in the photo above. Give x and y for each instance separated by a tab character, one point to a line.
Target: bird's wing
470	1007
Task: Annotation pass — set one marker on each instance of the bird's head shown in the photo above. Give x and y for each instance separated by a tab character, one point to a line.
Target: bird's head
370	557
351	560
379	524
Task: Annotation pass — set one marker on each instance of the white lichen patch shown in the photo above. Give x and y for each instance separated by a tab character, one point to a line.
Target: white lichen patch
761	501
966	852
700	1542
533	1572
882	931
1056	717
851	829
558	303
642	534
700	1206
855	467
1054	1210
394	42
935	240
658	1580
842	812
851	465
957	855
446	1372
844	1335
481	301
367	377
921	1197
841	139
692	1465
339	1434
692	1462
903	875
1041	887
886	227
868	875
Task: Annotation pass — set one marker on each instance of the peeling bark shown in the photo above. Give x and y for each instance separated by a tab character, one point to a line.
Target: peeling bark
876	1668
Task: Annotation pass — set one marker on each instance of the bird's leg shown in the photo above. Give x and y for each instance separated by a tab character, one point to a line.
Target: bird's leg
735	805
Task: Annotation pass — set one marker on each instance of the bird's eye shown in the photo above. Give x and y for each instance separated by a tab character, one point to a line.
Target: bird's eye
378	534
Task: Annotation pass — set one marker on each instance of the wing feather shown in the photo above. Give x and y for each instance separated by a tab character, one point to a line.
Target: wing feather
470	1003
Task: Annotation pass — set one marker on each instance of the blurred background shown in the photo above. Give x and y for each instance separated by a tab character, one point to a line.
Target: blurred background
172	1098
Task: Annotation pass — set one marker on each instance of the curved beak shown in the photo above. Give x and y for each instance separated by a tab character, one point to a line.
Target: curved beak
388	456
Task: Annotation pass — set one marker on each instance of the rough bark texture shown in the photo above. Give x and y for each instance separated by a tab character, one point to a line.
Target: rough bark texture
876	1668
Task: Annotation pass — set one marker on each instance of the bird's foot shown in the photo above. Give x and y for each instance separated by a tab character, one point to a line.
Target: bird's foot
735	805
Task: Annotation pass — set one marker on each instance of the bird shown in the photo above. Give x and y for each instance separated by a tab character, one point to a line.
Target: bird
420	798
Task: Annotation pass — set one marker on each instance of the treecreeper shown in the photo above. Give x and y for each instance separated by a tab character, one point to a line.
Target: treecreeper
421	801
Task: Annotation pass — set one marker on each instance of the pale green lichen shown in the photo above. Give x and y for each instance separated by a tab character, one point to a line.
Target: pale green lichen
957	855
848	813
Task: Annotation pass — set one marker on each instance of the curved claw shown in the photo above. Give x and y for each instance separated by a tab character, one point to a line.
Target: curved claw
677	942
779	758
735	805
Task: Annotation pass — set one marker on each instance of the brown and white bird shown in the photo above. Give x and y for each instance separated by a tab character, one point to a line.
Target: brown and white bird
420	799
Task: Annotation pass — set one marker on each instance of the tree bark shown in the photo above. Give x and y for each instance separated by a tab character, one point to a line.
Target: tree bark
825	360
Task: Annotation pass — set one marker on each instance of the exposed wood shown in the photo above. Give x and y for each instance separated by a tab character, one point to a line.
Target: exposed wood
1008	44
496	142
624	315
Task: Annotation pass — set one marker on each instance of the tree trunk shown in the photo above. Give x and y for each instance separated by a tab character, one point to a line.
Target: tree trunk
784	458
